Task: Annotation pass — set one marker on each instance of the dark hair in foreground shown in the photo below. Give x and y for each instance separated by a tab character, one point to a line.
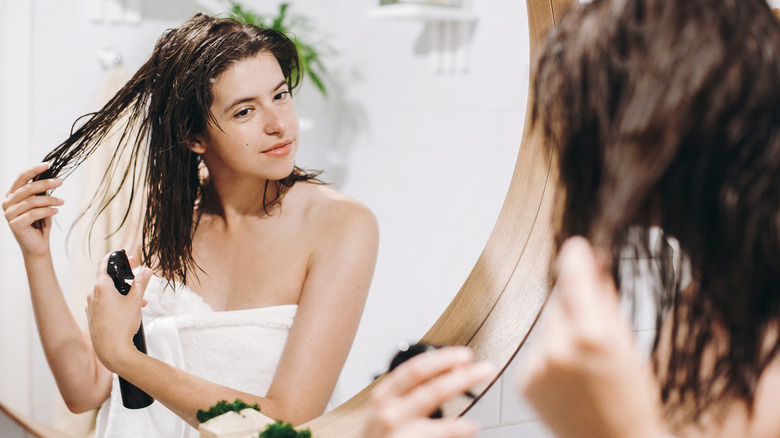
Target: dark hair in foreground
667	113
156	113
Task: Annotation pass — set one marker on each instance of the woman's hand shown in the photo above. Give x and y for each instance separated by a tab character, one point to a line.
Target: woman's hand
23	208
401	403
586	378
114	318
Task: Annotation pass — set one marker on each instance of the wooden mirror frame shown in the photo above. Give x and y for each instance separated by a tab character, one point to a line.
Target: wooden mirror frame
503	296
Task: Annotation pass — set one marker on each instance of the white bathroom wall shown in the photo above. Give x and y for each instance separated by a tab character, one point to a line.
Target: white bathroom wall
433	161
15	318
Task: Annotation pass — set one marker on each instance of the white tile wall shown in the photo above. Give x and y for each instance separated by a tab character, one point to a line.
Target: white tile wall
503	412
15	318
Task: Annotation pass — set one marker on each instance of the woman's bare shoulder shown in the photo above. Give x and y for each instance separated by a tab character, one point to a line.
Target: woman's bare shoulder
330	211
326	203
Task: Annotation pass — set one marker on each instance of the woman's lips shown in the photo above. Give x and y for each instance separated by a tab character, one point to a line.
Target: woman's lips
279	149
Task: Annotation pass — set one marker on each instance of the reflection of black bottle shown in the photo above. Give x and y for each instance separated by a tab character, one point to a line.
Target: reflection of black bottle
407	352
120	271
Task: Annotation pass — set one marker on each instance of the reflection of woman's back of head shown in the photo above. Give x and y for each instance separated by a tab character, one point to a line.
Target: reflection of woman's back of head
157	112
667	113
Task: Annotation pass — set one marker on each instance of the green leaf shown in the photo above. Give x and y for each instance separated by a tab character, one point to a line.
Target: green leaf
315	79
277	24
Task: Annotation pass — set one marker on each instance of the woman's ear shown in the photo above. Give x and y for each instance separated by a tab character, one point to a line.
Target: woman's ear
197	144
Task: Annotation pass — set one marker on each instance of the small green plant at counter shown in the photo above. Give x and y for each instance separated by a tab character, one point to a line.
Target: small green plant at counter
283	430
222	407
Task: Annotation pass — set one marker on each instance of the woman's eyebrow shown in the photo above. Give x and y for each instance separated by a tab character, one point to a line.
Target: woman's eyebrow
281	84
248	98
238	101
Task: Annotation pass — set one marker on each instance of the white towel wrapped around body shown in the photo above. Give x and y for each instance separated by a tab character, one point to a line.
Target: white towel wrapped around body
239	349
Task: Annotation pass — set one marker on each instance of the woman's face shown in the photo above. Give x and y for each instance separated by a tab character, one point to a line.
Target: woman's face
257	136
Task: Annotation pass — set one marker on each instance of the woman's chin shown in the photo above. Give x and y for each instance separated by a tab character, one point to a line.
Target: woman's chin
281	173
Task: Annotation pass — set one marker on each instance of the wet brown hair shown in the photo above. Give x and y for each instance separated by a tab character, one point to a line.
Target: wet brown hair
155	114
667	113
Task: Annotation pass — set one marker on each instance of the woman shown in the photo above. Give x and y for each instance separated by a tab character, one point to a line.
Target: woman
666	114
663	113
257	274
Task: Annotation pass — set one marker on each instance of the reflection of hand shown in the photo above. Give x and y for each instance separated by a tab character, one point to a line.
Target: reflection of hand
114	318
23	208
586	378
401	403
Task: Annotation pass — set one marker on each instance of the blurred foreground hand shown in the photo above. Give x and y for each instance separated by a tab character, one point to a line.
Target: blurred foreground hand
585	378
402	401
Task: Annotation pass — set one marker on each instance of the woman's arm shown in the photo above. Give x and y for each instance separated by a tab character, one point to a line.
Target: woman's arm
83	382
329	311
328	314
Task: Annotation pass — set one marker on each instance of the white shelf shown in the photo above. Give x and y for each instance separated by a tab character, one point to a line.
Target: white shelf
422	12
448	28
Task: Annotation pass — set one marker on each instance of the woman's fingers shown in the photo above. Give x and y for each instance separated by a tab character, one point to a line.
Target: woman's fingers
27	175
31	216
587	294
428	397
139	284
31	189
401	403
577	276
22	207
17	209
421	368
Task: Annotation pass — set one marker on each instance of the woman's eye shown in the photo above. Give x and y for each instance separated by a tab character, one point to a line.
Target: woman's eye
283	95
243	113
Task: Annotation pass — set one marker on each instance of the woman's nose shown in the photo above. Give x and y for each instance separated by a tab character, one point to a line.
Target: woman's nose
274	122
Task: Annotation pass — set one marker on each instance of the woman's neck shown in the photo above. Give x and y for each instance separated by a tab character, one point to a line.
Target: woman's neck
237	200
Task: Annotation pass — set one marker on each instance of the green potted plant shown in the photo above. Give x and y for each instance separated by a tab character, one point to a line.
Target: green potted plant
287	23
240	418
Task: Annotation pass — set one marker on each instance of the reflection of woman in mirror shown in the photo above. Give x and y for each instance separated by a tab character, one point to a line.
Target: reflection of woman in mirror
258	273
663	114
